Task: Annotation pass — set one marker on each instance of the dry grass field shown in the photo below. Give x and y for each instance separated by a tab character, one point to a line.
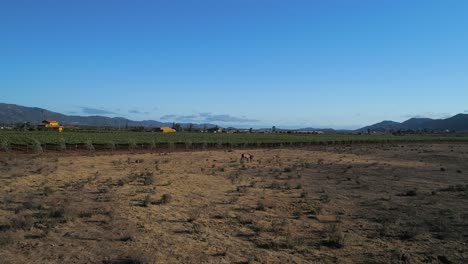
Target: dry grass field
338	204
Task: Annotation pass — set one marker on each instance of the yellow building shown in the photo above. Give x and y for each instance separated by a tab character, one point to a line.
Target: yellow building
51	125
167	130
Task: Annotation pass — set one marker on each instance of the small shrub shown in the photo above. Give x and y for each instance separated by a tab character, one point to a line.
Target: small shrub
233	199
111	146
275	185
5	239
324	198
62	144
146	201
85	214
188	144
409	230
89	146
149	179
103	189
32	204
261	205
171	145
37	147
57	213
120	182
24	222
297	213
412	192
47	190
132	145
241	189
165	198
335	236
5	145
152	145
194	214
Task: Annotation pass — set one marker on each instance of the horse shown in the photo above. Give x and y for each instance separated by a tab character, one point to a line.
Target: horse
247	157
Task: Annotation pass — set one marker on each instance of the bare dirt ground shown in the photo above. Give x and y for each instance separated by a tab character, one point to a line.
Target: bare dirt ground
341	204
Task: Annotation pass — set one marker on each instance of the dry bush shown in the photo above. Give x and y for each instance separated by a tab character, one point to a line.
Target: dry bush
146	201
148	178
261	206
275	185
325	198
335	236
5	145
22	221
297	213
103	189
37	147
194	214
241	189
165	198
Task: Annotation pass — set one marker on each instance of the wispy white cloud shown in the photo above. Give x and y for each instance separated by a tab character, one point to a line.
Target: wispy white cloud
208	117
96	111
428	115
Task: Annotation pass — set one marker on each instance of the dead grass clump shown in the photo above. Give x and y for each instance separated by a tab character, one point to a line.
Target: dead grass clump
111	146
5	239
232	199
5	145
325	198
412	192
275	185
85	214
242	189
32	204
335	236
297	213
21	221
89	147
261	206
134	259
165	198
148	178
132	145
103	189
194	214
146	201
37	147
455	188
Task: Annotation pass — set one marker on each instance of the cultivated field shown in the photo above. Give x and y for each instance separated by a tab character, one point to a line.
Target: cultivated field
39	141
379	203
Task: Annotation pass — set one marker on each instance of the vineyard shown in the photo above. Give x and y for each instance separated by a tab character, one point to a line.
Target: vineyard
16	138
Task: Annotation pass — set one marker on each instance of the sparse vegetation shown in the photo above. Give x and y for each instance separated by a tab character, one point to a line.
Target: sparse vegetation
224	212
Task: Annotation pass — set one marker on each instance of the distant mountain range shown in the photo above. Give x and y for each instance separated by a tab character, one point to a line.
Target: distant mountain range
458	123
11	113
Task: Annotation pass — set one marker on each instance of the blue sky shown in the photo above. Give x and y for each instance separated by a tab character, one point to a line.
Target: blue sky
333	63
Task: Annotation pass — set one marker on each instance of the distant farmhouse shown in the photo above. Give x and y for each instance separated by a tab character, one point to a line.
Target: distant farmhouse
50	124
167	130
